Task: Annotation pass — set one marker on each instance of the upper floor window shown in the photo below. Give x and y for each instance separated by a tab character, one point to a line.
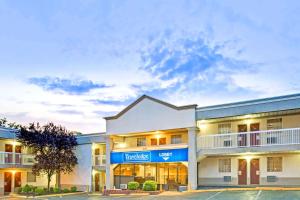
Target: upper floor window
274	164
140	142
176	139
275	123
162	141
225	165
224	128
153	141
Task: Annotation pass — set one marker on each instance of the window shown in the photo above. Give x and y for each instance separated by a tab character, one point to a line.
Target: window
274	123
224	128
162	141
141	142
274	164
31	177
153	141
176	139
225	165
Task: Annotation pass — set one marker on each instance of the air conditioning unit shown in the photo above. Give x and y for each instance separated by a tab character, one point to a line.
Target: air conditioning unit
123	186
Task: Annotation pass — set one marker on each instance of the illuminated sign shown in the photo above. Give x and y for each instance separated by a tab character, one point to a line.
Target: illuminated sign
166	155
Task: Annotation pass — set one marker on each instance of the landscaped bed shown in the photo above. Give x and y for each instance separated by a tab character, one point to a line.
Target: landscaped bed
29	190
149	187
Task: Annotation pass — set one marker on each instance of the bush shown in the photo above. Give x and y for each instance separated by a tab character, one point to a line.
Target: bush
27	188
18	190
74	189
150	186
56	190
51	189
133	185
40	191
66	190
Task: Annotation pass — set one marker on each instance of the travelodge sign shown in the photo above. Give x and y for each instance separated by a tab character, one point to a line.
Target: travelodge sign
166	155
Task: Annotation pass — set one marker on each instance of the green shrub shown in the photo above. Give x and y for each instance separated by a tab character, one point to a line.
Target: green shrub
40	191
27	188
18	190
74	189
56	190
133	185
66	190
51	189
150	186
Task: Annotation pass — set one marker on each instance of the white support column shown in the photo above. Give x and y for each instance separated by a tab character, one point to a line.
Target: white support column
192	168
109	171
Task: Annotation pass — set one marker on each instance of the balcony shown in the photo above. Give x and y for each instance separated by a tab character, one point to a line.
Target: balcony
99	160
256	141
16	159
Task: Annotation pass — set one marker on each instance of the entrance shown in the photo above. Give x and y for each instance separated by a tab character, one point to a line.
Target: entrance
254	138
167	175
254	171
18	179
99	181
18	151
242	138
8	154
242	172
7	182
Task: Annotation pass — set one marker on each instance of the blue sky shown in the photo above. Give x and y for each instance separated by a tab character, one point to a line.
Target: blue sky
74	62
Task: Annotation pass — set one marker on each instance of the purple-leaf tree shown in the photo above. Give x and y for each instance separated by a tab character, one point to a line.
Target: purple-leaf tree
53	147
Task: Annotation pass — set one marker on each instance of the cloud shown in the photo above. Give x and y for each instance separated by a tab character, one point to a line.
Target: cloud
69	112
192	67
69	86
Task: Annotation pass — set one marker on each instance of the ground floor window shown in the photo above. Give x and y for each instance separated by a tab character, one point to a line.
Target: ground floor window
225	165
274	164
168	175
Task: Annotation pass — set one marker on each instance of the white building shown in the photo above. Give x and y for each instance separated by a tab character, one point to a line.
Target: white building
253	142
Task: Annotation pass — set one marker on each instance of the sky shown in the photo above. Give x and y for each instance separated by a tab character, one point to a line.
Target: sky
73	62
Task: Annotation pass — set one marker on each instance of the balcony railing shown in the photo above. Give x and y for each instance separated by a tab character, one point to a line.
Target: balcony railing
99	160
250	139
11	158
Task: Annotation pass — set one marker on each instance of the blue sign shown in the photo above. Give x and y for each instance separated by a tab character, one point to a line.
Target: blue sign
166	155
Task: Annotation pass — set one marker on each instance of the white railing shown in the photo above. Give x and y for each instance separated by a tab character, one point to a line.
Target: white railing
99	160
250	139
12	158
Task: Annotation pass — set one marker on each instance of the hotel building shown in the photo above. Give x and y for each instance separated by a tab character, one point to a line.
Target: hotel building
249	143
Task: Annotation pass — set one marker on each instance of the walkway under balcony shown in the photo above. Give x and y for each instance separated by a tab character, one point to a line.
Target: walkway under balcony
245	142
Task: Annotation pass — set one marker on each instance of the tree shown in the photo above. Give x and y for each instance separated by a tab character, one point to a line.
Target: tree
5	123
53	147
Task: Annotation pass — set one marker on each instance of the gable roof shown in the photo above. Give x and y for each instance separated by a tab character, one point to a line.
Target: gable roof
152	99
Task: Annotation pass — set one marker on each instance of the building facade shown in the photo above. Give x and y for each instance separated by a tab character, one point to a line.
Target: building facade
247	143
253	142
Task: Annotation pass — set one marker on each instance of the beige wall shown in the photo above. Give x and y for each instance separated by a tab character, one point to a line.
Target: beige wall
132	141
208	127
208	170
149	115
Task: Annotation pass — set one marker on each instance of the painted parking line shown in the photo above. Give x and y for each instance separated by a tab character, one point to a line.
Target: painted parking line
214	195
258	194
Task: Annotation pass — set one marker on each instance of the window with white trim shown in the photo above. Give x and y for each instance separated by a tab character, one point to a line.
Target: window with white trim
273	124
176	139
225	165
224	128
274	164
140	142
